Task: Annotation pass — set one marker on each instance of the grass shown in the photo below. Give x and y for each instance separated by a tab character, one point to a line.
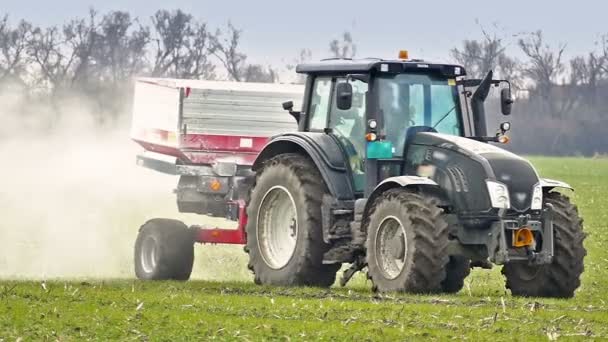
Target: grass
238	310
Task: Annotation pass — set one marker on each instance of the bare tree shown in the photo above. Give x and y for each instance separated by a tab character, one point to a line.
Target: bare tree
545	64
544	68
182	46
510	69
64	56
82	38
344	48
122	48
305	55
45	49
604	43
225	46
259	73
480	56
13	50
587	75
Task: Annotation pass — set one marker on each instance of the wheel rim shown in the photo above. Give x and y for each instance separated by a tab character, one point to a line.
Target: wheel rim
277	227
391	247
148	255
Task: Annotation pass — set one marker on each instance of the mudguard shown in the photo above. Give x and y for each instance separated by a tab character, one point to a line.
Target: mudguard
398	182
549	184
407	181
325	152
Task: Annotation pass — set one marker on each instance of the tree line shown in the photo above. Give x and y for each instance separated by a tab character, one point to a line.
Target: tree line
561	107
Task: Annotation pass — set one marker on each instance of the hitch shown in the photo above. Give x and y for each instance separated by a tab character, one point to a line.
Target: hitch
523	229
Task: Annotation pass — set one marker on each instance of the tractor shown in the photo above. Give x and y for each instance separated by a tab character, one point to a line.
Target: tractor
390	170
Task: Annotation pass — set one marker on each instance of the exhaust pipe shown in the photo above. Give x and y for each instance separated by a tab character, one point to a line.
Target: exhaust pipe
477	105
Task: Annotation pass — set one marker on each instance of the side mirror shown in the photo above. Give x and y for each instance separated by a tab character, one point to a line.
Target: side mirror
344	96
288	105
506	101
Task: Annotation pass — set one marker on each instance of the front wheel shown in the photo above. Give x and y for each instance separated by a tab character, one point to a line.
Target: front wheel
407	239
562	277
164	250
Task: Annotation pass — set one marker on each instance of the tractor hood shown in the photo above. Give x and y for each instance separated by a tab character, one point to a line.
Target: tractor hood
497	164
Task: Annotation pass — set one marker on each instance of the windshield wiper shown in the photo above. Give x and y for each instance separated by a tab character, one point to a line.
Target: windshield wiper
444	116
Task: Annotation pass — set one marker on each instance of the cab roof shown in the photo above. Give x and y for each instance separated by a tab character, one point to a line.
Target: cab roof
367	65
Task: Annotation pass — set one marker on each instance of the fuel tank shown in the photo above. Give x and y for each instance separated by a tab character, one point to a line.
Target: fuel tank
461	167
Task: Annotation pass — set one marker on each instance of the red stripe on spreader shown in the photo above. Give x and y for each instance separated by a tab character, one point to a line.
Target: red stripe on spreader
243	158
144	133
204	148
209	142
162	149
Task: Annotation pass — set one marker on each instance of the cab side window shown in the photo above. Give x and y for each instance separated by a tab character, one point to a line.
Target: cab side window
319	103
350	124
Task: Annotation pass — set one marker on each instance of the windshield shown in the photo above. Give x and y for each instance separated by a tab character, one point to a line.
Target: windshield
407	100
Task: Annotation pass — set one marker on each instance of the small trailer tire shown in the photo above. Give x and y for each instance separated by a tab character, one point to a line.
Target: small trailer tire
164	250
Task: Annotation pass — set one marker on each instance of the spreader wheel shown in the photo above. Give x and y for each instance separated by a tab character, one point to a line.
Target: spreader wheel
164	250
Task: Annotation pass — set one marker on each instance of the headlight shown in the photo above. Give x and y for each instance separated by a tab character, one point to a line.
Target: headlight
537	198
499	195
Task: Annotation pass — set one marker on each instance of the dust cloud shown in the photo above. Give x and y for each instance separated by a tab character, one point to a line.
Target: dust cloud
72	198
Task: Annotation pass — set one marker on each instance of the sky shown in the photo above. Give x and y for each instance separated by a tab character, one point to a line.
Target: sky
274	31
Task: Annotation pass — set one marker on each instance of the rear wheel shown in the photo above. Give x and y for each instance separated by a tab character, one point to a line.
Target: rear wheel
164	250
284	229
562	277
407	243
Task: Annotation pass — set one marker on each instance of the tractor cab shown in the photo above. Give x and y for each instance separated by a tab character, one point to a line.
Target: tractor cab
375	108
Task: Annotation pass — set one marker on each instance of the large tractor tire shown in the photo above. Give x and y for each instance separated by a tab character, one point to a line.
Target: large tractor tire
456	271
164	250
284	229
562	277
407	239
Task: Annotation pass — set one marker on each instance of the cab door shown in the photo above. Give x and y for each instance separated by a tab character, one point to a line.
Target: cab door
347	126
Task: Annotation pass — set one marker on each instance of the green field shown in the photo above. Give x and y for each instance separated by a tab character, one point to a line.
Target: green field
235	309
